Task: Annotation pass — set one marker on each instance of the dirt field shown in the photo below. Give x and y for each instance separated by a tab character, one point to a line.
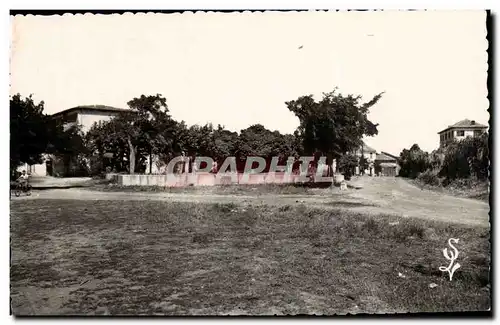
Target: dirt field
87	252
374	196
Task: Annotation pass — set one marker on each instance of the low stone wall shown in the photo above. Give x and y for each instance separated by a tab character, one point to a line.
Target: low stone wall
203	179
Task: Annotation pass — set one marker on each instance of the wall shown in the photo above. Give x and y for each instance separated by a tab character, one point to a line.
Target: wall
467	133
87	118
203	179
35	170
451	135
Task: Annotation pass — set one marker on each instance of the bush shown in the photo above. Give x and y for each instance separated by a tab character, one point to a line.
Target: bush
469	157
413	162
430	177
347	165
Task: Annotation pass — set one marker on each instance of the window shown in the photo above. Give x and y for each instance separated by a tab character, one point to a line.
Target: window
460	133
477	133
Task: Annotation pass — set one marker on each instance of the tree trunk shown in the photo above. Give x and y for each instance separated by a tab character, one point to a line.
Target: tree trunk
150	162
329	162
131	157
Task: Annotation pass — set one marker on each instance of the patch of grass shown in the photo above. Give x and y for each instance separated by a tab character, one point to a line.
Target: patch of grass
408	229
154	257
466	188
259	189
343	203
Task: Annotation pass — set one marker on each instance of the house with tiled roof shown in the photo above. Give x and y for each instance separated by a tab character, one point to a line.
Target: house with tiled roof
459	131
386	164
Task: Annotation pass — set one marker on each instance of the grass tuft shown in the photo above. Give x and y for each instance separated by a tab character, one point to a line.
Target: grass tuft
173	258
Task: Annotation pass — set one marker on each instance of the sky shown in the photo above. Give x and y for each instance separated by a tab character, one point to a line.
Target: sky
239	69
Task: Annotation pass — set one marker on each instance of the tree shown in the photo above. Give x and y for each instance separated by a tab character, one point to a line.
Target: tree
28	132
333	126
347	165
363	164
469	157
225	144
105	138
144	130
413	162
141	127
33	133
67	142
258	141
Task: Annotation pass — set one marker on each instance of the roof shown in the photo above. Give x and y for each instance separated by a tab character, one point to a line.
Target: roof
96	108
470	124
390	155
384	157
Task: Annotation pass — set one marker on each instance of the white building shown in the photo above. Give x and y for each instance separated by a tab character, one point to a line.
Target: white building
370	155
85	116
459	131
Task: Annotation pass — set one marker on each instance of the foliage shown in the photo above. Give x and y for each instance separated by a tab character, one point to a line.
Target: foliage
347	164
33	133
145	130
431	177
106	147
363	164
469	157
436	159
335	124
28	132
459	161
332	126
256	140
413	162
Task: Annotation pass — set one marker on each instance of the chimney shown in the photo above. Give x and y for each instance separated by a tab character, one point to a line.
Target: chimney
472	122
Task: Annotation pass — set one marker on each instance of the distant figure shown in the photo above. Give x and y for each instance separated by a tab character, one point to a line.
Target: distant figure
23	179
181	165
194	168
214	168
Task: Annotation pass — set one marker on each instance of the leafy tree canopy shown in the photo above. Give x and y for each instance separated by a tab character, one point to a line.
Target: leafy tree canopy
334	125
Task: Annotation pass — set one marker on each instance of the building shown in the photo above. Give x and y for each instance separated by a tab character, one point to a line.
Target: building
459	131
85	116
386	164
369	154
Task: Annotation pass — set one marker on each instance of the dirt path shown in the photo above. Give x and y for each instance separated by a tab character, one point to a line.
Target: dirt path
377	195
401	197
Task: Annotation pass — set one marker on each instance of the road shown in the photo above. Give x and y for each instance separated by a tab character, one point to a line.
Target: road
374	195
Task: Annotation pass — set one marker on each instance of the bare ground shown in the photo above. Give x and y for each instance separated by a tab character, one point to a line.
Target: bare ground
373	196
104	257
84	252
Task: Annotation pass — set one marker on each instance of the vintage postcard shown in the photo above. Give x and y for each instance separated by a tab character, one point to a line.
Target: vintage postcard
250	163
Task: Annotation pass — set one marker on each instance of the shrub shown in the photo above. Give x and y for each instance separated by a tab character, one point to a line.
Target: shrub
347	165
431	177
469	157
413	162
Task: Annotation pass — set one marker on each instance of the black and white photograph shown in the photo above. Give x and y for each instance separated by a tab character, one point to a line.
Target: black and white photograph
250	163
